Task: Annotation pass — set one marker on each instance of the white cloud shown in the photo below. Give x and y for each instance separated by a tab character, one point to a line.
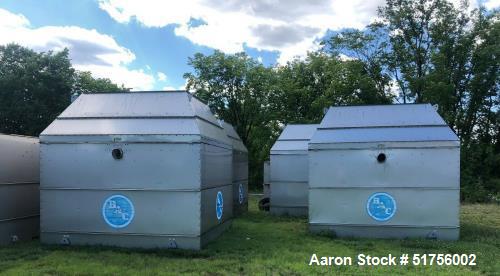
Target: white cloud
13	20
89	50
169	87
492	4
290	27
161	76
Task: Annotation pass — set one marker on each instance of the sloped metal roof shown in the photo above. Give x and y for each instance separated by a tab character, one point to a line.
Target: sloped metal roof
298	132
233	135
294	138
141	113
382	116
138	104
383	123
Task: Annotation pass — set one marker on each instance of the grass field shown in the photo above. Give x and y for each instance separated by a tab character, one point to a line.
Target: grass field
258	243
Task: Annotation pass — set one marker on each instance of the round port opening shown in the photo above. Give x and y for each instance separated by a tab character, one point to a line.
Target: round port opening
381	157
117	154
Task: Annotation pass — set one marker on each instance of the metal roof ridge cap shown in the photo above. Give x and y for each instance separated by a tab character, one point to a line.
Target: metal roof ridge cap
293	139
384	141
394	104
127	117
131	92
145	91
384	126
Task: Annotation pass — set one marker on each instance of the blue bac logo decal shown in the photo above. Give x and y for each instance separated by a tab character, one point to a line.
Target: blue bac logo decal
241	195
118	211
381	206
219	205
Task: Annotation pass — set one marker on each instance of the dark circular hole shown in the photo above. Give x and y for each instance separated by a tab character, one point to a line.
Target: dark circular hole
381	157
117	154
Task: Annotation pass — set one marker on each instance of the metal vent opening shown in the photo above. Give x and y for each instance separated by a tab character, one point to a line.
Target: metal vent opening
117	154
381	157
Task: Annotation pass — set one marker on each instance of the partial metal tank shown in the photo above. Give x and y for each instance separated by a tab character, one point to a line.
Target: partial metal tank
267	179
240	170
135	169
385	172
19	188
289	171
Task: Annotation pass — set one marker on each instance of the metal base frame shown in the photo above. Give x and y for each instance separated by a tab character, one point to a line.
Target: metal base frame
138	241
387	232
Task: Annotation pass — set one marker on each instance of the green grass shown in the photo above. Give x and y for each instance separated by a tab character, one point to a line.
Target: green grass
258	243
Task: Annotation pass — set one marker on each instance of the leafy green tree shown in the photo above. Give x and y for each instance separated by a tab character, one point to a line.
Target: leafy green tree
306	87
369	49
84	82
237	89
409	26
34	88
480	120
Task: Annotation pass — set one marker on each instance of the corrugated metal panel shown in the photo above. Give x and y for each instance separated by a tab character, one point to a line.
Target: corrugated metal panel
381	115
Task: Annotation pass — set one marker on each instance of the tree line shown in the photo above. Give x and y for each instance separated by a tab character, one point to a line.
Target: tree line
36	87
425	51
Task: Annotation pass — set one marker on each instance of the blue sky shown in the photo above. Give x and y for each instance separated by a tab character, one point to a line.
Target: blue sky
146	44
